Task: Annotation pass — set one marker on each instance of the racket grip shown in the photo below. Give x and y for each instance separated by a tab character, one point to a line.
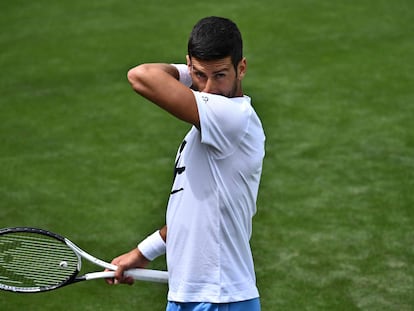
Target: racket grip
148	275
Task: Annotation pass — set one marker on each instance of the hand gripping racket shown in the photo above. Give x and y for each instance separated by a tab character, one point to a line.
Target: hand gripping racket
35	260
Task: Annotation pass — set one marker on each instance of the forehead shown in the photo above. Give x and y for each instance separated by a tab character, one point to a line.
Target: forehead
212	65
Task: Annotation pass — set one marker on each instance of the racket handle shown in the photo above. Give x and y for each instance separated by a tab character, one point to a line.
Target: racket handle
149	275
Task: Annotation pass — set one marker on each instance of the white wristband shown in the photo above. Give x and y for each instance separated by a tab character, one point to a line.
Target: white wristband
153	246
184	74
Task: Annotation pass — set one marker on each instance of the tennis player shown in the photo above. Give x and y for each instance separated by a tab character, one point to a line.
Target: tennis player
217	174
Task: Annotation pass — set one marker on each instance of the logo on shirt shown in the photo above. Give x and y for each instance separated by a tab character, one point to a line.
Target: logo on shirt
177	169
205	99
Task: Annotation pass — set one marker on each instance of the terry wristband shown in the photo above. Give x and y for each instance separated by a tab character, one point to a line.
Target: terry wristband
153	246
185	77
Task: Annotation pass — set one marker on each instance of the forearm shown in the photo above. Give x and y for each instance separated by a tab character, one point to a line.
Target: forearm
145	75
177	71
161	84
163	233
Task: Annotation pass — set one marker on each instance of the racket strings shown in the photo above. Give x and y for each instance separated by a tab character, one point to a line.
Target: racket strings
31	260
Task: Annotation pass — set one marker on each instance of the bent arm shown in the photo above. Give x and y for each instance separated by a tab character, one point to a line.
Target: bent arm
159	84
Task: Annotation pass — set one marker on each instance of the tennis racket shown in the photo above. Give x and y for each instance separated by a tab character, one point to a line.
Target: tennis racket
35	260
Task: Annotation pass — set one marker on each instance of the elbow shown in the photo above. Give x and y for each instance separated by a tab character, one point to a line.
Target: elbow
130	76
135	78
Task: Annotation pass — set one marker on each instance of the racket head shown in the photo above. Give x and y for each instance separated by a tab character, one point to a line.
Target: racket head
35	260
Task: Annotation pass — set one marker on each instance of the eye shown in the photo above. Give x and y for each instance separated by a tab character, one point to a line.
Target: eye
220	75
198	74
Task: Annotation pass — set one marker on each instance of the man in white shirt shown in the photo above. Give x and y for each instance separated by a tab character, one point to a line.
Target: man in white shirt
217	174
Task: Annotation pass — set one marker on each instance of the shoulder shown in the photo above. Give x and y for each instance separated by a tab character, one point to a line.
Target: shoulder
221	108
223	121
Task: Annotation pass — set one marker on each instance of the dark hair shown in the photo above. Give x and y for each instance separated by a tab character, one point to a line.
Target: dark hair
215	38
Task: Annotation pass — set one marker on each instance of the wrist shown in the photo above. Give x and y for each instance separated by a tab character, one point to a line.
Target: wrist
153	246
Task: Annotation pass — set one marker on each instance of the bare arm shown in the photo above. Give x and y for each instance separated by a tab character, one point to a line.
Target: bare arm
163	233
159	84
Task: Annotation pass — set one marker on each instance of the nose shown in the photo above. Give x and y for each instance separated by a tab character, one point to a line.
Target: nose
209	87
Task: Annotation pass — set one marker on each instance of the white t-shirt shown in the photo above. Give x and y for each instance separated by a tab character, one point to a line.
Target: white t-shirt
212	202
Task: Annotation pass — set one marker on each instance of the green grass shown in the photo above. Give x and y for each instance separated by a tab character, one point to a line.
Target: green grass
333	81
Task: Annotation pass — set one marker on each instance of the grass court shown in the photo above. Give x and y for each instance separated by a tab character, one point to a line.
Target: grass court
333	81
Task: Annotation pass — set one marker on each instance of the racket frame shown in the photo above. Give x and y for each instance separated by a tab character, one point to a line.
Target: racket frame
138	273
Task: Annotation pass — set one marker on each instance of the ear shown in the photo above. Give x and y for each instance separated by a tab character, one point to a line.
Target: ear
187	57
241	68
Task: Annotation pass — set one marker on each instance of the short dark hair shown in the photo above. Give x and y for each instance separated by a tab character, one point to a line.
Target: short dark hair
215	38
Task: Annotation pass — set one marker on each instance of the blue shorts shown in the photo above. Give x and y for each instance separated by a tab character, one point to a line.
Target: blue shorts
248	305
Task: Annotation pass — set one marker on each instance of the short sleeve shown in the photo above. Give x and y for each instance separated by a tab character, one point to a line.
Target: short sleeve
223	121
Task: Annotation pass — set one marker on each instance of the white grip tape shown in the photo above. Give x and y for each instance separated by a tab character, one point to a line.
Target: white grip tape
137	274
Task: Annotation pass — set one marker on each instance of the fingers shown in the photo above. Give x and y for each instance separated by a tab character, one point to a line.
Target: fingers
110	281
132	259
119	273
119	277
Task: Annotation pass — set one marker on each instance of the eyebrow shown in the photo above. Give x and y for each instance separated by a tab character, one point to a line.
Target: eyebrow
214	72
221	70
